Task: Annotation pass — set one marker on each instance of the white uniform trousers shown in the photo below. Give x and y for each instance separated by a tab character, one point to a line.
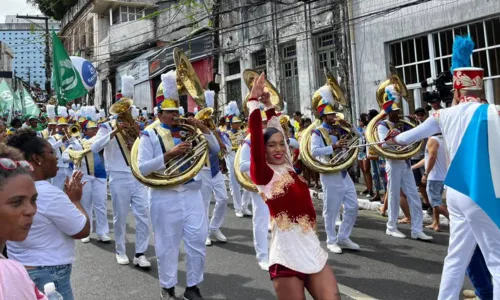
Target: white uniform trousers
179	216
400	176
127	192
60	178
260	218
234	186
217	187
338	190
94	197
469	226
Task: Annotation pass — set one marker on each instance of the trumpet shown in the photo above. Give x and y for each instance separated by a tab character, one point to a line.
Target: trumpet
75	131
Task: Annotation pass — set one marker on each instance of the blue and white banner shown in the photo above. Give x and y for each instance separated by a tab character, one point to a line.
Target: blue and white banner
475	169
87	71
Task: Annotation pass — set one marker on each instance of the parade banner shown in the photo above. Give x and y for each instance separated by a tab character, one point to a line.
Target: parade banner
87	72
66	80
9	101
30	105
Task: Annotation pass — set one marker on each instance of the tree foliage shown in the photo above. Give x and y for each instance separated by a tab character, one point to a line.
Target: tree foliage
53	8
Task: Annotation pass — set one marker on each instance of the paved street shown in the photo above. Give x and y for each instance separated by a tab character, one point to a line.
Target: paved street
386	268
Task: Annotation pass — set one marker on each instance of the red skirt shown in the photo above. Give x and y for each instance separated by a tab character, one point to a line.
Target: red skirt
278	270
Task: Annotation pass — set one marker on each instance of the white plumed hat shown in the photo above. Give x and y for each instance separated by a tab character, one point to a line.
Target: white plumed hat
210	98
128	86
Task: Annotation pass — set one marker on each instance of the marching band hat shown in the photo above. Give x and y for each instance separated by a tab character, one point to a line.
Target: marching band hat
465	76
62	111
167	95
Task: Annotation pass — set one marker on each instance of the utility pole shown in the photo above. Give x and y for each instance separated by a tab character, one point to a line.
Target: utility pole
48	69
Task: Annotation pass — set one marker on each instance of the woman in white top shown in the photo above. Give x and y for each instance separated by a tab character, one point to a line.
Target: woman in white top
48	251
17	209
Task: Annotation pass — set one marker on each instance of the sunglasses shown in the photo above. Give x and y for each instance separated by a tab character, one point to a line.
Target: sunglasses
10	165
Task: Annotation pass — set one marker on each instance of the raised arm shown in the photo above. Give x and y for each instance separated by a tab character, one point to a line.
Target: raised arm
260	172
428	128
102	138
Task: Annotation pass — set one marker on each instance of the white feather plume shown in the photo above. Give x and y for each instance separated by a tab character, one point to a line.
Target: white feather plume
102	114
155	110
91	114
210	98
284	111
227	110
233	109
128	86
170	85
181	110
392	94
62	111
78	106
51	111
72	113
73	106
327	95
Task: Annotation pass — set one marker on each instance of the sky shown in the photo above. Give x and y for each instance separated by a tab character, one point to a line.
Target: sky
14	7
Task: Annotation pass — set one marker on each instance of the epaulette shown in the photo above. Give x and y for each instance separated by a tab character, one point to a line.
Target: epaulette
246	142
317	132
144	132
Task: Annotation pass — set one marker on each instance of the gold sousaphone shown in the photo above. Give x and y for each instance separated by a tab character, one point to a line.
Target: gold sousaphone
340	160
399	153
187	82
249	76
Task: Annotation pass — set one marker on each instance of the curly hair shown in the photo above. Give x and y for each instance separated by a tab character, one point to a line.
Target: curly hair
26	141
13	154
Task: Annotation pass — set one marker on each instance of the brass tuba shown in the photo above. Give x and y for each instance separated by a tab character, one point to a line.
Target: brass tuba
77	156
340	160
249	76
173	175
399	152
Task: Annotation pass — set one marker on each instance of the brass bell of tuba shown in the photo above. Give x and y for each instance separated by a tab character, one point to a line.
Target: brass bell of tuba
342	159
194	160
398	153
75	131
77	156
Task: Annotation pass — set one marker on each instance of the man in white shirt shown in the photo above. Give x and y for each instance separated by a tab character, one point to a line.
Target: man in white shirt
338	187
177	213
260	213
126	191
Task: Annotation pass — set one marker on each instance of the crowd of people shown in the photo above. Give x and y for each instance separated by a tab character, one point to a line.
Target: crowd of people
56	169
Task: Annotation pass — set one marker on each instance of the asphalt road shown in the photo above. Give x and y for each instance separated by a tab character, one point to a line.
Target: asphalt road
385	268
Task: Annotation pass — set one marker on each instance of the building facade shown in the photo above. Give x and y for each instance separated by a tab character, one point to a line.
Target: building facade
418	41
291	43
6	57
26	38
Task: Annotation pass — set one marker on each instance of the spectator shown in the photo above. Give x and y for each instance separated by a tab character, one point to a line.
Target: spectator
17	209
48	251
375	163
363	161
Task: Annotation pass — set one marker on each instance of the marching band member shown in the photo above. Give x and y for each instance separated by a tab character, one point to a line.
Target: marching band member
471	132
338	187
295	256
61	136
92	166
400	175
125	190
212	181
261	216
177	213
236	135
51	122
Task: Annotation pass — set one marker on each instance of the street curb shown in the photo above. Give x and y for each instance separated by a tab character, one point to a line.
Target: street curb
365	204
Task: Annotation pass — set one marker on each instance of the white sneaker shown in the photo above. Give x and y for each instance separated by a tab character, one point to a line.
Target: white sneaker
208	241
247	212
103	238
85	240
395	233
219	236
142	262
264	265
421	236
334	248
122	259
348	244
239	214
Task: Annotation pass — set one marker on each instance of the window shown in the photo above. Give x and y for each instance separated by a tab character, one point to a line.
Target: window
233	68
289	81
127	14
233	91
325	56
411	58
259	61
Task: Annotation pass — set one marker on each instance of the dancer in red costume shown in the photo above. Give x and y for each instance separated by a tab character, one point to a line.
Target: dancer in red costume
296	258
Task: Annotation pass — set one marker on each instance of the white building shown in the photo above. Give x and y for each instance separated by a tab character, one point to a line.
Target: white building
418	40
290	42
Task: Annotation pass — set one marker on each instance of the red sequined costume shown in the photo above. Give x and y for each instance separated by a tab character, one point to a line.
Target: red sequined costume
295	248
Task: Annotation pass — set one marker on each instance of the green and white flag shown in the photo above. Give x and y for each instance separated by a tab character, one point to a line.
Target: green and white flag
65	79
9	101
30	105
